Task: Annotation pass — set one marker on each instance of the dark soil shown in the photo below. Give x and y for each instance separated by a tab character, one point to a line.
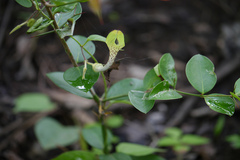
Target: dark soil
152	27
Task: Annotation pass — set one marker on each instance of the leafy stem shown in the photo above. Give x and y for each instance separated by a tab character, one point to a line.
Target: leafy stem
67	50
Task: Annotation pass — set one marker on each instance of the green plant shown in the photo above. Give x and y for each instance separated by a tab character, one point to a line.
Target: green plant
158	84
234	140
180	143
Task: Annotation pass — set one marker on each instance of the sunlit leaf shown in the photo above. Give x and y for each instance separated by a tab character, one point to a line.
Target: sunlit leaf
221	104
57	78
74	77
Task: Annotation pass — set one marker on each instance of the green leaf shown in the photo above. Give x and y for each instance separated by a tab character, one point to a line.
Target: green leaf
73	76
151	79
115	156
200	73
167	69
121	88
95	37
25	3
76	155
33	102
237	87
39	25
64	8
219	125
173	132
190	139
18	27
168	142
234	139
94	136
181	149
77	51
221	104
137	100
62	18
148	157
162	92
51	134
114	121
65	2
136	149
68	29
57	78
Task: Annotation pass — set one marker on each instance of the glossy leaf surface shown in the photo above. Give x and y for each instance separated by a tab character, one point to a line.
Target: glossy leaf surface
162	92
94	137
77	51
57	78
122	87
136	149
115	156
200	73
73	76
33	102
220	104
76	155
138	101
51	134
167	69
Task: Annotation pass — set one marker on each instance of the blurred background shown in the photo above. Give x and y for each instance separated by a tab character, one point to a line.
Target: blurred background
152	27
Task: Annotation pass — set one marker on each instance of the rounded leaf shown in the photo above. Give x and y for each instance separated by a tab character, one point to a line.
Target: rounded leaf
137	100
94	136
76	49
162	92
200	73
33	102
73	76
121	88
237	87
167	69
51	134
25	3
57	78
221	104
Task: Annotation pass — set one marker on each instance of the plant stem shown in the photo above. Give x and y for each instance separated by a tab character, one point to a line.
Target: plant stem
190	94
104	133
67	50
